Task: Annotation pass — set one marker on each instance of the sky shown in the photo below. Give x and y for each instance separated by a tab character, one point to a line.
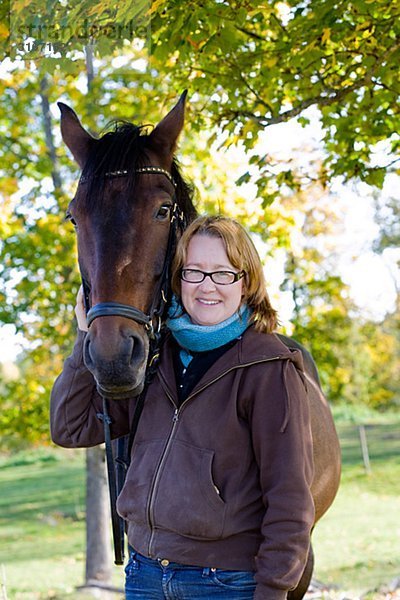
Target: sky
370	276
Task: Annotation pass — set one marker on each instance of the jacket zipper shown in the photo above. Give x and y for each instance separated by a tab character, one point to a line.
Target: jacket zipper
175	420
158	475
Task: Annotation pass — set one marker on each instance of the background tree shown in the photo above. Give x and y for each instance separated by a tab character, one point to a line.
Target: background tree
253	65
358	358
37	249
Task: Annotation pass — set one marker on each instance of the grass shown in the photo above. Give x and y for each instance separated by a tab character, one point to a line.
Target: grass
42	528
357	543
42	523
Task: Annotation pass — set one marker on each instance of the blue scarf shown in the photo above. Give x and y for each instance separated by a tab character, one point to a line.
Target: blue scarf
199	338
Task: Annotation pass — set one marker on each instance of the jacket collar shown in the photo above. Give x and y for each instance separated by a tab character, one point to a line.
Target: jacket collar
252	347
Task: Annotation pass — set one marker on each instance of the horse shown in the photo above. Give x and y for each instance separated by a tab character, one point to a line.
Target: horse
130	206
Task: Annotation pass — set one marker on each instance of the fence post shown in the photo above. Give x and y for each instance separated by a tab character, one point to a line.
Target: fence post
3	583
364	448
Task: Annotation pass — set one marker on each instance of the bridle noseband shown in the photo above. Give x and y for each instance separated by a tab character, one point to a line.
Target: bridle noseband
107	309
152	320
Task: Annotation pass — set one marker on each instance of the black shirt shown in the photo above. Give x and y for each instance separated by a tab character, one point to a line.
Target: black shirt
187	377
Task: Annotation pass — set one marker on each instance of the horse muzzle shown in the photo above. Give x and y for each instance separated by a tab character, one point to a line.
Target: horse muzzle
116	355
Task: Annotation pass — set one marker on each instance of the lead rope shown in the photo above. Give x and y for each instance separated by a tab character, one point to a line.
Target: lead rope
116	520
117	467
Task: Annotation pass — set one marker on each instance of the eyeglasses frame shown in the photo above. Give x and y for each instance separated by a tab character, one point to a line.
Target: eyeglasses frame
237	276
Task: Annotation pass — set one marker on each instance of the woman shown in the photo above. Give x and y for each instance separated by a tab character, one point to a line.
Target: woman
217	498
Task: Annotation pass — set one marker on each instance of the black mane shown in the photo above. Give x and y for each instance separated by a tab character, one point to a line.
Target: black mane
124	148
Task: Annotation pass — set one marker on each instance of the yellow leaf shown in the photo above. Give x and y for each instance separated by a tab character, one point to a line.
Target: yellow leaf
19	5
326	35
156	5
4	31
271	61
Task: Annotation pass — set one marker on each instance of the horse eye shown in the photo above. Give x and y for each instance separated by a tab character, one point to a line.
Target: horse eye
164	211
69	217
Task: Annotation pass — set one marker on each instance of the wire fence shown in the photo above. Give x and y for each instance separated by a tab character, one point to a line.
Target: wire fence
368	443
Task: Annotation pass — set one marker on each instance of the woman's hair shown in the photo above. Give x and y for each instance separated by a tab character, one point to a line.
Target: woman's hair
242	255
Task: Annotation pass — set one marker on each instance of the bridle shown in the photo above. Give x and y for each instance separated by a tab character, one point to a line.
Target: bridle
151	320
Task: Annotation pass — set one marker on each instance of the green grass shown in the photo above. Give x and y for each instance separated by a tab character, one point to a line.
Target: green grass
357	543
42	528
42	523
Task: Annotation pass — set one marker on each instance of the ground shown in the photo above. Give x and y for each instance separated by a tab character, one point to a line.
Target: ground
318	591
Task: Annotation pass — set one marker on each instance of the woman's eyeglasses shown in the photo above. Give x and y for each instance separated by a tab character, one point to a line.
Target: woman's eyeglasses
218	277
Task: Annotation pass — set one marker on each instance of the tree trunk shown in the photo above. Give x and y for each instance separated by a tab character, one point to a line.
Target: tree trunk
47	125
98	537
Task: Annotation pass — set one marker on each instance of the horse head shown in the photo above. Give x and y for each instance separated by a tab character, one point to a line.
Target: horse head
129	204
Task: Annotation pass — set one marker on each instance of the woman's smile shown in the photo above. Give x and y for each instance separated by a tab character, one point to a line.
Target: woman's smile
209	302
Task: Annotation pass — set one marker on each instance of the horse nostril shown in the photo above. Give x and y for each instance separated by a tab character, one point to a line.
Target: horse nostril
87	358
138	350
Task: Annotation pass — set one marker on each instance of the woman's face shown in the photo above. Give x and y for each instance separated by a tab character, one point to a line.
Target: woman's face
208	303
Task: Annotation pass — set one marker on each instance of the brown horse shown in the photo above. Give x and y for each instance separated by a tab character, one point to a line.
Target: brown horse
129	201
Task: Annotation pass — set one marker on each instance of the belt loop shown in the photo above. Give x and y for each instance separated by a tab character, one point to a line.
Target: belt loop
206	572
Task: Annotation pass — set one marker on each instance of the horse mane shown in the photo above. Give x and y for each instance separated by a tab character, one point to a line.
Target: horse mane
125	148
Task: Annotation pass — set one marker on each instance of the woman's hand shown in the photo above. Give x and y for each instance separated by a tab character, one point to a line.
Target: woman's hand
80	311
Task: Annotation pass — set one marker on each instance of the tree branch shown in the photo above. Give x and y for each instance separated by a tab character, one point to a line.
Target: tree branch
328	97
89	65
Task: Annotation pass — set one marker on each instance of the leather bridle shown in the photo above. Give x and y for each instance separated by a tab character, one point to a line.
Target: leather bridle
152	321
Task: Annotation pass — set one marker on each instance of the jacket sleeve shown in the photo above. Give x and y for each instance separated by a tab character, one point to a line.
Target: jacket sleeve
282	442
76	407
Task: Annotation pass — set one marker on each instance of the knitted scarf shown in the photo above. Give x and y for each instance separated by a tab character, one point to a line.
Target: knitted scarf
200	338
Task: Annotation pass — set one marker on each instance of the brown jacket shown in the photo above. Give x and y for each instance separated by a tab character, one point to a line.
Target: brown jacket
223	481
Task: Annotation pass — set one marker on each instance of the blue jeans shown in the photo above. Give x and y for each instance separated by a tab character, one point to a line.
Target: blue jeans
148	579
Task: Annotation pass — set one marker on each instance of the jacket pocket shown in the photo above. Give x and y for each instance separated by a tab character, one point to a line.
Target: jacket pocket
186	499
132	503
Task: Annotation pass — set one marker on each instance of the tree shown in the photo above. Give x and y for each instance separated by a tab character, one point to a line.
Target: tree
387	215
357	358
252	65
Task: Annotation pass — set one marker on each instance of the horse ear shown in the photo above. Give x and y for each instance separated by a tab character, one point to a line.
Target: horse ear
166	134
74	135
